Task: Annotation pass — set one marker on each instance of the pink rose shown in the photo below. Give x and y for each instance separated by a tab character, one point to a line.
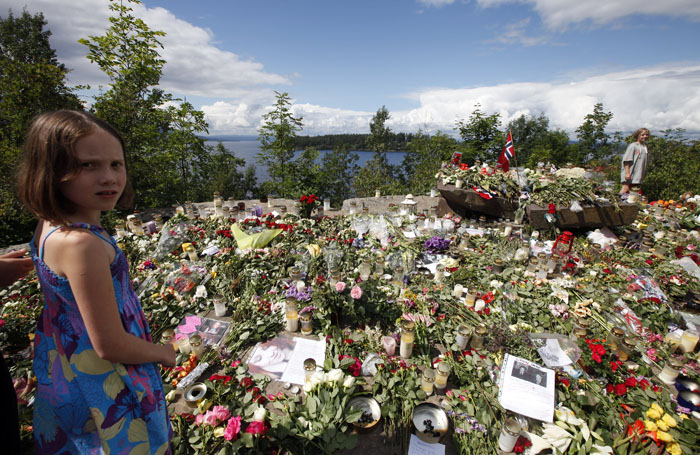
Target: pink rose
256	427
221	412
210	419
199	419
232	428
235	363
356	292
339	286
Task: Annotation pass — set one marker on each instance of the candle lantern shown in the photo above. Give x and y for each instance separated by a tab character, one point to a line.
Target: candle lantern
183	344
191	253
335	277
458	291
389	344
379	266
167	336
479	336
407	337
365	268
409	205
671	371
309	369
523	252
625	349
219	306
196	346
428	381
137	226
470	297
498	266
563	244
462	338
291	314
294	273
689	340
615	338
120	229
442	372
510	431
306	326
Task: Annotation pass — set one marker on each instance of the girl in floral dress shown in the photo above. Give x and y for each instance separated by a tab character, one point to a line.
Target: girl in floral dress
99	388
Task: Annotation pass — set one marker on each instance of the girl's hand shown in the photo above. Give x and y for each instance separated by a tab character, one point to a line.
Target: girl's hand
168	355
13	267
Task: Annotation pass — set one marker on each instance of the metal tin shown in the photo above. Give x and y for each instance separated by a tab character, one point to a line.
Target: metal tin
426	416
366	405
195	394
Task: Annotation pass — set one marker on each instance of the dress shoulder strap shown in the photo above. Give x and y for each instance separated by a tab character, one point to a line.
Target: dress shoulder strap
94	229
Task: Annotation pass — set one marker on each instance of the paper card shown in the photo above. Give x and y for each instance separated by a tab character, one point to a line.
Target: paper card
211	251
304	349
418	447
553	355
527	388
472	231
190	325
409	234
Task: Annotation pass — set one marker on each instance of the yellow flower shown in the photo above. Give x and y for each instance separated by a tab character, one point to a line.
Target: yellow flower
674	448
683	416
655	412
662	425
219	432
650	426
663	436
670	421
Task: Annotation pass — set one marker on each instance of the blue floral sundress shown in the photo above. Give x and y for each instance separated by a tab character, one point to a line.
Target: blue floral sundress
84	404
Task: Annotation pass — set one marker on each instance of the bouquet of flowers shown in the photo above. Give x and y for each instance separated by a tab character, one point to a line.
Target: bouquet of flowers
307	204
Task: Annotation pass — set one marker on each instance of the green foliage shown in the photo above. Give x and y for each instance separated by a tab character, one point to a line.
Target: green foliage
277	139
377	173
481	135
593	142
422	162
225	177
535	142
31	81
672	167
168	161
338	169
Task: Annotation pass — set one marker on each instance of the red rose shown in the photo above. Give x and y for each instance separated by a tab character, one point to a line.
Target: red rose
644	384
609	388
246	382
620	389
631	382
565	381
256	427
552	209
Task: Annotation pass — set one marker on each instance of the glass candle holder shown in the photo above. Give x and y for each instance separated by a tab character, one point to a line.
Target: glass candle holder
335	277
625	349
674	341
120	230
458	291
671	371
219	306
377	193
439	274
291	314
427	382
365	269
470	297
532	266
407	338
197	346
615	338
689	339
379	266
442	372
183	344
580	333
477	341
191	253
306	326
389	344
510	431
553	264
498	266
167	336
463	334
309	369
398	276
159	222
459	183
326	205
137	226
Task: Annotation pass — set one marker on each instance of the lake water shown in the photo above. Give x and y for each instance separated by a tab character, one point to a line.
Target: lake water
248	150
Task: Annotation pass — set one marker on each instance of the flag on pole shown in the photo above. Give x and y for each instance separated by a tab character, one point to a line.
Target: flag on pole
507	154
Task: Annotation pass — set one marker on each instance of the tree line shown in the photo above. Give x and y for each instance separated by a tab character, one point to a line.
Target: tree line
169	161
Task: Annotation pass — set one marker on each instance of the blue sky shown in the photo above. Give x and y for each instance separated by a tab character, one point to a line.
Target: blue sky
428	61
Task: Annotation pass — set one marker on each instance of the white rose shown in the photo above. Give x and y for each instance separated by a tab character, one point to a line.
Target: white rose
201	292
308	387
349	382
259	414
335	375
496	284
479	305
317	378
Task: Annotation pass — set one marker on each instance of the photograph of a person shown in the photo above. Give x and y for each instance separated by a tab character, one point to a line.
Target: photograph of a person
272	357
212	331
529	374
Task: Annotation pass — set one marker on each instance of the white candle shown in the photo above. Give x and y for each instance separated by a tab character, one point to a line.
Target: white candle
689	340
458	291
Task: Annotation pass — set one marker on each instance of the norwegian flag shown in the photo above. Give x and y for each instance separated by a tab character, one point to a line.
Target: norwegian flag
507	154
486	194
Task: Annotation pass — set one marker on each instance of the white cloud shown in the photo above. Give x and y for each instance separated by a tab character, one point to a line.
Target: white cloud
558	14
517	33
436	3
660	98
195	66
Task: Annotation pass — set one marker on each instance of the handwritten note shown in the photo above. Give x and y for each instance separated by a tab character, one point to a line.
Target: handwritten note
418	447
